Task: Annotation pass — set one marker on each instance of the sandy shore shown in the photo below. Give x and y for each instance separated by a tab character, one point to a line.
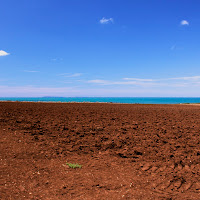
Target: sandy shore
127	151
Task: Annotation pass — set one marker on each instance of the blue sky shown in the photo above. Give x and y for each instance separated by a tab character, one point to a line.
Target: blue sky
100	48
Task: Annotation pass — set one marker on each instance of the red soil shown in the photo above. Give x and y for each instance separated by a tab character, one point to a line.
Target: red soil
126	151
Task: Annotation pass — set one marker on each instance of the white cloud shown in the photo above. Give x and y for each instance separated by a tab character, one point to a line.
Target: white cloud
3	53
106	21
184	23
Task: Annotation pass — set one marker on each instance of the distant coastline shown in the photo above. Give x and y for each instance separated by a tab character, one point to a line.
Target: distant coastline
123	100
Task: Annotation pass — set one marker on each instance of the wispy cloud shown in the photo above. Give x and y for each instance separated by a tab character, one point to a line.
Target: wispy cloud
106	20
99	81
190	78
70	75
36	91
4	53
31	91
56	59
29	71
63	74
172	82
138	79
184	23
75	75
107	82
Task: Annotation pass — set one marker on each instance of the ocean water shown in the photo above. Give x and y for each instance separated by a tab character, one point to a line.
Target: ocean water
133	100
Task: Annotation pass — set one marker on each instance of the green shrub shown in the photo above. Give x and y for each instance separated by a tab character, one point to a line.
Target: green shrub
74	165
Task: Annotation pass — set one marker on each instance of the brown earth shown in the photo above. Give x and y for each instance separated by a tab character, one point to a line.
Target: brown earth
126	151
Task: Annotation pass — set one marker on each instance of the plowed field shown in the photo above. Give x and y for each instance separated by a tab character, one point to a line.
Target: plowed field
126	151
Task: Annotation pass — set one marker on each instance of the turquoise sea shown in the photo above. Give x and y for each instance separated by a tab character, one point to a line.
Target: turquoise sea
134	100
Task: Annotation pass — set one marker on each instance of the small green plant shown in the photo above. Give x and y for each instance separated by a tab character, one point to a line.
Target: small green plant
74	165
